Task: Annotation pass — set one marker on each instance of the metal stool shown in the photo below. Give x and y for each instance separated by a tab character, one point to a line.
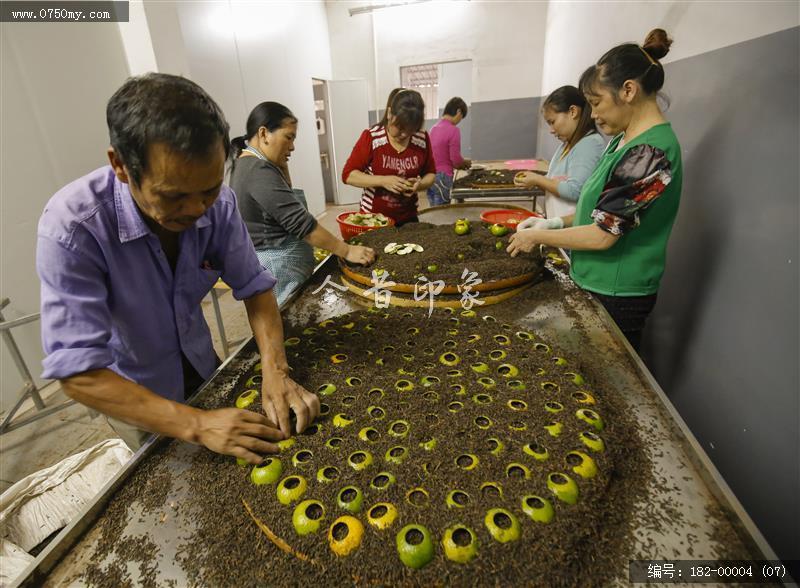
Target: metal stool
29	389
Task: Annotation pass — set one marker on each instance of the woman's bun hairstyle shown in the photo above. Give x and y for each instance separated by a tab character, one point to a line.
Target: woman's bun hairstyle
630	61
657	43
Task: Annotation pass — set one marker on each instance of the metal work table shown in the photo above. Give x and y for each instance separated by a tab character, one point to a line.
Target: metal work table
460	195
684	479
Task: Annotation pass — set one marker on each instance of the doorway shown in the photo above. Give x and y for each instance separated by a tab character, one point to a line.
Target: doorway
324	139
342	113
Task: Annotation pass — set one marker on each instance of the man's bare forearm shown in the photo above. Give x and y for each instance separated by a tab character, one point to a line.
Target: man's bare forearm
267	325
107	392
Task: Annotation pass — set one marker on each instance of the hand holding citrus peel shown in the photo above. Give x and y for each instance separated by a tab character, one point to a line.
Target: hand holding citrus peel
525	179
413	187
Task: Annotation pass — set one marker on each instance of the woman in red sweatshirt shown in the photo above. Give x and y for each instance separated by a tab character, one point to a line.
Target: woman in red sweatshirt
393	161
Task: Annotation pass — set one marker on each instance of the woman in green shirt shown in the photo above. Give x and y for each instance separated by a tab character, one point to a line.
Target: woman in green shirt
628	205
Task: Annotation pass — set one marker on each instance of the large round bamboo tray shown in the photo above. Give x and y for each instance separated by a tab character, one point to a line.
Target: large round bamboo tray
448	289
446	214
437	302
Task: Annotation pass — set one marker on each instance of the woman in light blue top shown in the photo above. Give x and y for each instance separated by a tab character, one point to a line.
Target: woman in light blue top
570	120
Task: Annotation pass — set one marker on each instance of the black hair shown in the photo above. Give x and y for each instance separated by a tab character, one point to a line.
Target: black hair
163	108
408	110
561	99
630	62
454	105
385	118
271	115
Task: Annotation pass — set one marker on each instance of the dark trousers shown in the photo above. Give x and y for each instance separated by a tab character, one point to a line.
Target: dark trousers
191	379
630	313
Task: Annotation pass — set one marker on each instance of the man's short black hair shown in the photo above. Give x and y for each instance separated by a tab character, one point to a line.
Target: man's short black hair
454	105
162	108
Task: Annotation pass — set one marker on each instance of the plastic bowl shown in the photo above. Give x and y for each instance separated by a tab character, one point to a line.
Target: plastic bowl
349	230
508	218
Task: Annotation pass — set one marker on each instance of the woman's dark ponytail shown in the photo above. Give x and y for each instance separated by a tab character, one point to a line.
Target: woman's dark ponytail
237	146
560	100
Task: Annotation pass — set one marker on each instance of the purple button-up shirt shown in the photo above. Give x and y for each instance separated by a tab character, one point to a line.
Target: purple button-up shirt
109	296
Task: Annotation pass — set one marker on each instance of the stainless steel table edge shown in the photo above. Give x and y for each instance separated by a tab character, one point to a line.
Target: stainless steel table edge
713	479
517	193
69	535
753	537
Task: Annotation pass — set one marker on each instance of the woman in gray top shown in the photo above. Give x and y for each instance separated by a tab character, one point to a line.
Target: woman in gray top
277	217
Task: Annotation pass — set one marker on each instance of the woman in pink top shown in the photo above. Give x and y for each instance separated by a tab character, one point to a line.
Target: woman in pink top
446	146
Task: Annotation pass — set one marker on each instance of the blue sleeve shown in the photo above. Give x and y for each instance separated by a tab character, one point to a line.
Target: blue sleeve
76	317
580	165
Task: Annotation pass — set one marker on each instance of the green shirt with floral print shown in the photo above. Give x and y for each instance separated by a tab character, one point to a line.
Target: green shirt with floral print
634	193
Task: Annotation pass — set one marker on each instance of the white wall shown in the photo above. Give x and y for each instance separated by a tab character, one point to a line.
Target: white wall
696	27
56	80
579	33
287	47
455	79
243	53
504	40
166	37
352	46
136	39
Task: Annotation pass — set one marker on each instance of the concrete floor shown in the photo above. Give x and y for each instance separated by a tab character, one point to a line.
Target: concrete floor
71	430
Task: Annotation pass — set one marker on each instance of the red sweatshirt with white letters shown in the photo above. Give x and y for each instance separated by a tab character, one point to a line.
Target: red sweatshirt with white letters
373	154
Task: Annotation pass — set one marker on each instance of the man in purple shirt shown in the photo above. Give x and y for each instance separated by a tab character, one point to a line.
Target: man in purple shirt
446	147
125	256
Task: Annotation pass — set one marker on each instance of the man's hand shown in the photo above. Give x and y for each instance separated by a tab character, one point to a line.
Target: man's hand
523	241
466	164
396	184
541	224
359	254
280	394
237	432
